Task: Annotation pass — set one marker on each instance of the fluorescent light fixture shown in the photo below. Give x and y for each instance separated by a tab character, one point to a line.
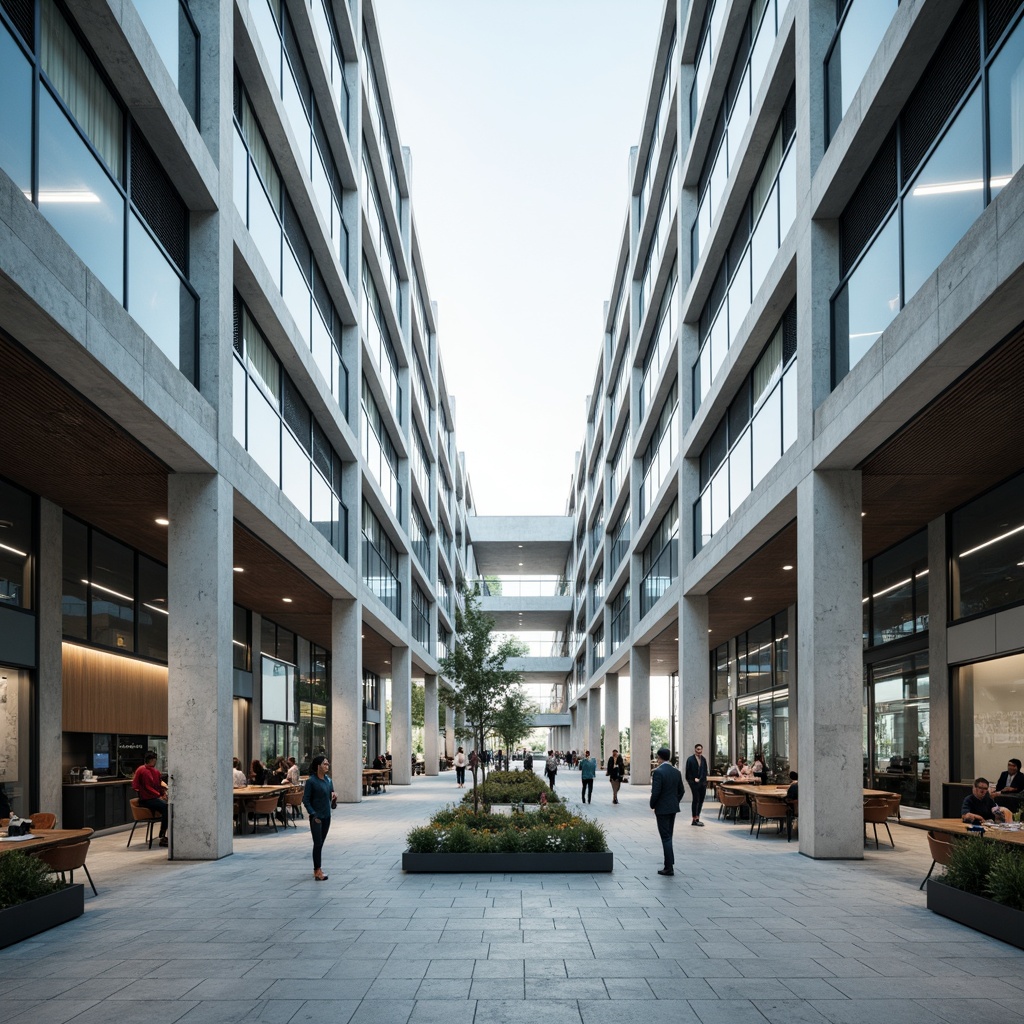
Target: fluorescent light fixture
107	590
153	607
748	599
237	568
287	600
162	522
14	551
786	568
994	540
943	188
65	195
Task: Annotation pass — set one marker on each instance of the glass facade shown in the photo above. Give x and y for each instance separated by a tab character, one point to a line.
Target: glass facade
660	563
17	548
988	717
380	563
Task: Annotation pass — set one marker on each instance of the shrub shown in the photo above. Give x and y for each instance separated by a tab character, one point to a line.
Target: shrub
512	788
24	878
1006	878
970	862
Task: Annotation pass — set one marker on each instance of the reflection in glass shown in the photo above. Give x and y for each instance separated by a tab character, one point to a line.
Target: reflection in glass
1006	111
153	610
15	113
175	40
77	197
989	717
75	589
16	547
946	198
901	726
112	593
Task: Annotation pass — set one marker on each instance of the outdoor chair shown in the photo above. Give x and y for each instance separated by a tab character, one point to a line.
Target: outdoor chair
140	815
771	808
263	807
940	845
727	800
43	820
876	812
67	859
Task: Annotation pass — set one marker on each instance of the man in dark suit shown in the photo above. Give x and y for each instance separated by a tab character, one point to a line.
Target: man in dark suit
697	780
666	792
1011	782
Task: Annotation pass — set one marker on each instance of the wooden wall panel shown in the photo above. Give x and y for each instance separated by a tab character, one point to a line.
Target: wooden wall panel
108	693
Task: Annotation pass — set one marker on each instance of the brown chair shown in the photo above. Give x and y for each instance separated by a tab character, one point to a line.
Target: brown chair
940	844
894	805
771	808
263	807
43	820
727	800
67	859
876	812
292	800
139	815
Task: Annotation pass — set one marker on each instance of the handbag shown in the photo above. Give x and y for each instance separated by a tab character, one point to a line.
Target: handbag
19	826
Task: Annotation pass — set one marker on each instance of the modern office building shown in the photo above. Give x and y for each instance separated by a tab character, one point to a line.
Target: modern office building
799	489
232	510
231	504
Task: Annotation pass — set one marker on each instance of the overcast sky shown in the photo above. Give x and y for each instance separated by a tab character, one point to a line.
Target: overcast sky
520	115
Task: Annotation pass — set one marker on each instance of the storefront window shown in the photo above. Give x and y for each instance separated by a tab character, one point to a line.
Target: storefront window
720	753
15	547
988	717
896	591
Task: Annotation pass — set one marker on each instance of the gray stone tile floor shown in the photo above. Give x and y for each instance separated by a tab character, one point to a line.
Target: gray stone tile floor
747	930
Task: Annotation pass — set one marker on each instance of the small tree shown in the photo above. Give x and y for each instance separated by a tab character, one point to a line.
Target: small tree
475	668
514	719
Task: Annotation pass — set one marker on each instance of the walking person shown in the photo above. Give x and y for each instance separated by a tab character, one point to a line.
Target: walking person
319	799
551	768
697	780
666	792
460	768
588	772
616	772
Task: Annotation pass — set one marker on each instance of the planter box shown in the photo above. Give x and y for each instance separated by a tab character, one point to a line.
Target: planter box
505	863
28	919
977	912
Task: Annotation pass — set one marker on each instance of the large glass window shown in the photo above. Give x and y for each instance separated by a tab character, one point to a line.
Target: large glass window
987	549
380	563
988	717
420	616
176	39
896	595
660	560
927	184
16	547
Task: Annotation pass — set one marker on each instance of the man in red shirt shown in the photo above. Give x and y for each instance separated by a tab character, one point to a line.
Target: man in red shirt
150	787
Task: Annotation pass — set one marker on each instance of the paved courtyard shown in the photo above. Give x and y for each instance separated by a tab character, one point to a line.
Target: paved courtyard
747	931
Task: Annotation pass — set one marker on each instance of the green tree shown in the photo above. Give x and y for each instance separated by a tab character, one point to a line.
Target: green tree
659	733
514	720
476	672
418	705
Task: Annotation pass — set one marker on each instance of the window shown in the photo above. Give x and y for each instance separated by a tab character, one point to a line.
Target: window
661	451
420	616
660	564
618	609
176	38
896	595
17	548
380	563
379	451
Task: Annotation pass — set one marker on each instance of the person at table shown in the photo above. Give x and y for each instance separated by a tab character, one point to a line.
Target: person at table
1011	782
588	772
616	772
150	786
257	772
277	774
697	780
757	769
380	762
319	799
979	806
740	770
793	793
292	775
238	779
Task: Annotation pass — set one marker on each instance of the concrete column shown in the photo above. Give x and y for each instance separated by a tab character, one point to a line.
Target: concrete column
346	751
449	732
431	729
640	716
694	682
401	716
574	727
938	671
611	715
256	701
199	673
829	552
50	685
594	729
582	723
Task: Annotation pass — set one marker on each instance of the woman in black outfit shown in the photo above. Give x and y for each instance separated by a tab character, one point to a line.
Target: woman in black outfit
616	772
319	799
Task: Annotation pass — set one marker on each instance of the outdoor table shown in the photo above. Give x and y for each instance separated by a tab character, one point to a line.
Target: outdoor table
243	794
954	826
44	839
375	778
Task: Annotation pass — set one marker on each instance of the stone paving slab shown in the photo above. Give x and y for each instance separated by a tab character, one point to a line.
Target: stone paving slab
747	930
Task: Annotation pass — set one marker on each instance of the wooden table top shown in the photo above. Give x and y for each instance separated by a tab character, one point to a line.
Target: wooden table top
773	790
954	826
261	790
44	838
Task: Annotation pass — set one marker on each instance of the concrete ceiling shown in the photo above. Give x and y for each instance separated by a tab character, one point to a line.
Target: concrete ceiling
540	543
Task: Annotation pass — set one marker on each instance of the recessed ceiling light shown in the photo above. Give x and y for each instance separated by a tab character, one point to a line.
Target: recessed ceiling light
162	522
748	599
287	600
863	514
237	568
520	565
787	567
520	547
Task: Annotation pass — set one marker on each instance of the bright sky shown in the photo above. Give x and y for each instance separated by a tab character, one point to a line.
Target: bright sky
520	115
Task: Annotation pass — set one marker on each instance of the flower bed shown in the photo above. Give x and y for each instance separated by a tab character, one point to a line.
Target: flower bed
551	839
512	788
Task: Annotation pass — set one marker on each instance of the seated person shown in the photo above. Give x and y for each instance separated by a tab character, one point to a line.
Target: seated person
380	762
793	792
238	779
276	774
1011	781
979	806
257	772
293	772
740	770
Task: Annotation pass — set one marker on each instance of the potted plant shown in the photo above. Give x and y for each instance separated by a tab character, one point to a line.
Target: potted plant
32	900
983	888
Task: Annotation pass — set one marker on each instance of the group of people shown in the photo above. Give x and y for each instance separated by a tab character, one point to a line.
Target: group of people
980	805
283	770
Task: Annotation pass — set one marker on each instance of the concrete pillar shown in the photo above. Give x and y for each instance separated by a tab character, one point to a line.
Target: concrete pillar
401	716
611	715
346	751
574	727
50	685
594	737
640	716
199	673
431	729
582	723
253	740
694	680
938	672
829	552
449	732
